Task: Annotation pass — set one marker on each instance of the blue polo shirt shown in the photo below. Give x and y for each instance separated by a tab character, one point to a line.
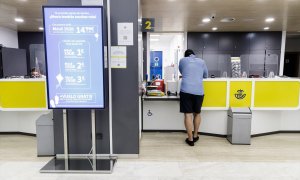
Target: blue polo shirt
193	71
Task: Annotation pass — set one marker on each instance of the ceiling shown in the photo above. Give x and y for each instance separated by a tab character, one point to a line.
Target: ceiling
180	15
29	10
250	15
160	40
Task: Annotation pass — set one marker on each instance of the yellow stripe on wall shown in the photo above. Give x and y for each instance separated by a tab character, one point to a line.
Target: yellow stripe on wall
276	94
215	93
16	94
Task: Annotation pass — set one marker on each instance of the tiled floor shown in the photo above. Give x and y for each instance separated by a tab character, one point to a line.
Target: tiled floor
164	156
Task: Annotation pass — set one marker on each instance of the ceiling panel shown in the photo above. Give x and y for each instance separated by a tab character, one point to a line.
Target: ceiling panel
180	15
29	10
186	15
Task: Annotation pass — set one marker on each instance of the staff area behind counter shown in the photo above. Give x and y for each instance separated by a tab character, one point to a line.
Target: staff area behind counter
274	103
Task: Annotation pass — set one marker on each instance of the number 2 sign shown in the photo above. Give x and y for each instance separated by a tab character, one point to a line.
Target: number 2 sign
148	24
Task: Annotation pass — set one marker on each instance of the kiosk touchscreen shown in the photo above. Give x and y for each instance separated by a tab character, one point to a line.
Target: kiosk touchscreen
74	57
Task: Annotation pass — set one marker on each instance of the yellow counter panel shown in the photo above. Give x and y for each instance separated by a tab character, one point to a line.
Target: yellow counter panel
215	94
279	94
23	94
240	93
256	93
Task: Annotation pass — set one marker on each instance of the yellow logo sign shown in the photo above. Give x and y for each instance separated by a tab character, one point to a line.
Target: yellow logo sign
240	94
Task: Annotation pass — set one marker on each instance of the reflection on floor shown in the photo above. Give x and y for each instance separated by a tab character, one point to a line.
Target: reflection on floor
166	156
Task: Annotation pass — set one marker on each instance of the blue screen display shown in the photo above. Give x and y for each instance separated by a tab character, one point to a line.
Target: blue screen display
74	55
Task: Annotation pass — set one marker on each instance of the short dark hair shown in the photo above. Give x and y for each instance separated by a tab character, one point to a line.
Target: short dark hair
188	52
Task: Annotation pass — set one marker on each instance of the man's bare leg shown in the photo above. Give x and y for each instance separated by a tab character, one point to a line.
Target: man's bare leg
188	122
197	121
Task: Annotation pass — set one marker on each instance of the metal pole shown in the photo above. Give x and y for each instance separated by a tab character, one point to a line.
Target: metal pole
93	122
109	77
66	149
281	64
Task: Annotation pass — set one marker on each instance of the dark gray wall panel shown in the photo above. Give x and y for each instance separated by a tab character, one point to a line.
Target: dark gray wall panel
125	97
257	41
145	54
195	42
27	38
125	83
292	44
78	119
241	41
58	131
102	116
211	41
79	131
250	46
64	2
226	42
14	62
273	40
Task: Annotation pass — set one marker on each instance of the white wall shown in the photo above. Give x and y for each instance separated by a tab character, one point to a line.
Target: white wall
290	121
169	43
9	38
13	121
265	121
8	122
165	116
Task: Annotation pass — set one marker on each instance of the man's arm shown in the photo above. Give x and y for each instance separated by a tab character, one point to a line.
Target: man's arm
180	66
205	71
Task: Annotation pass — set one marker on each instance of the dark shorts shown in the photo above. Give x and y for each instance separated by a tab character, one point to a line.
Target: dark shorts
190	103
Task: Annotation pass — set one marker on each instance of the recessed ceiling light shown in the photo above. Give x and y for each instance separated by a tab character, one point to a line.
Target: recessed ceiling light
41	28
154	35
270	19
19	20
227	20
266	28
171	0
214	28
206	20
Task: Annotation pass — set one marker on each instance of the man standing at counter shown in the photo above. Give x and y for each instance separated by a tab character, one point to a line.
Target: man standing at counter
193	71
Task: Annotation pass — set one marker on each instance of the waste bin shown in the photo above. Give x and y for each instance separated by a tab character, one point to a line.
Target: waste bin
239	125
45	135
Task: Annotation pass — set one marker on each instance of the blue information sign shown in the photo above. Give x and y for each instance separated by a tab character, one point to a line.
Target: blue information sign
74	57
156	63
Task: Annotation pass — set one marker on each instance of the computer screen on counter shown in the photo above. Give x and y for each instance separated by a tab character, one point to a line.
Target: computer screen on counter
74	57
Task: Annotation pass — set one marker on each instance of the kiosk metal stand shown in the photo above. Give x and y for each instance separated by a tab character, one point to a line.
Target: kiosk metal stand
81	163
92	162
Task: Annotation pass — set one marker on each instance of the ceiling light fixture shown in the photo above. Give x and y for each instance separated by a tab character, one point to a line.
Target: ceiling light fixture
214	28
227	19
41	28
154	35
266	28
19	20
154	39
206	20
270	20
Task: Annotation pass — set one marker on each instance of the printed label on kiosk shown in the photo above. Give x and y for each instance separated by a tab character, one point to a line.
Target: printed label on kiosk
74	54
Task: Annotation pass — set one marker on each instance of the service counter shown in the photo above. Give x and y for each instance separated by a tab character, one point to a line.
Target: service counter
22	101
274	103
23	94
